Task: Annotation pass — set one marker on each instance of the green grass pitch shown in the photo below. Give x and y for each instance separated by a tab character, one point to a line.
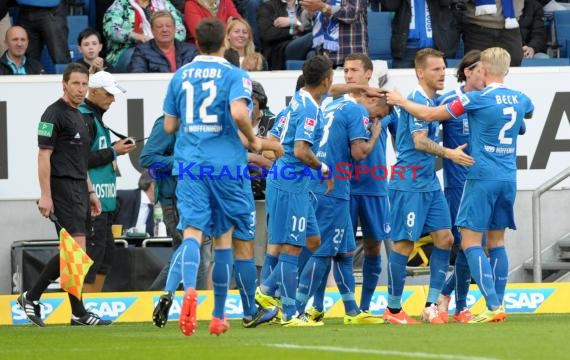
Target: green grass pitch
520	337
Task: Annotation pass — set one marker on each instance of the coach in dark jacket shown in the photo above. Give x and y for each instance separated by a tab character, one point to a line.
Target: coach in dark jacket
163	53
444	24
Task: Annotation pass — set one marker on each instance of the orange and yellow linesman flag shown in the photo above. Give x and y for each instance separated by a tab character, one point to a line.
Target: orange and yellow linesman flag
73	264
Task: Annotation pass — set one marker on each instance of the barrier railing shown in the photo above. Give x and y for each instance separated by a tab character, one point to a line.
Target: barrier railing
536	240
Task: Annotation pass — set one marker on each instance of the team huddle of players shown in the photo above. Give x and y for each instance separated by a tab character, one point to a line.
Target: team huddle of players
311	223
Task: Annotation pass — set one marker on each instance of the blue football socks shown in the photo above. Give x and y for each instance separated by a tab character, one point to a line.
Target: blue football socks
344	277
482	273
221	275
500	265
287	270
190	249
371	269
462	282
319	296
438	266
269	265
311	277
174	276
396	279
246	278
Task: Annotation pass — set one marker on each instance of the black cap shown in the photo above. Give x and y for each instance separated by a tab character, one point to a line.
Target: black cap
259	94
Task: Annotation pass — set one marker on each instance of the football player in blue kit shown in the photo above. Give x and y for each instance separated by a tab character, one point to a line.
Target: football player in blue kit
207	101
495	117
417	202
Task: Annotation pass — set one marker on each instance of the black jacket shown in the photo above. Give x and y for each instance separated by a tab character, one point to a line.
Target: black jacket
444	24
33	67
531	23
274	39
127	212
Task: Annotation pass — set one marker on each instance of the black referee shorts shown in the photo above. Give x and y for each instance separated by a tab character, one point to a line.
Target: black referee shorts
100	246
70	204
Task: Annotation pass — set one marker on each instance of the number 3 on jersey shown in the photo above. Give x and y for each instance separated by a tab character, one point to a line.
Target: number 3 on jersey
211	90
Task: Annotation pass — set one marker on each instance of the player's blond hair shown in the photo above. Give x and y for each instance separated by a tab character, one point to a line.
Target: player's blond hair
497	60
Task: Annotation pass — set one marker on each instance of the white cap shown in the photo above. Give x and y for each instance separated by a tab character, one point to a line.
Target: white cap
105	80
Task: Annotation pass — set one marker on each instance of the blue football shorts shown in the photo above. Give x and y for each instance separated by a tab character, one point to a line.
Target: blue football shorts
333	218
374	215
487	205
415	213
290	216
214	206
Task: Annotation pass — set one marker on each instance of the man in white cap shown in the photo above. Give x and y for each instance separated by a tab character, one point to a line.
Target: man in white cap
102	172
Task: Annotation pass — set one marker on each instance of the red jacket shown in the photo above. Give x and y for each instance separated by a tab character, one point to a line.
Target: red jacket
194	12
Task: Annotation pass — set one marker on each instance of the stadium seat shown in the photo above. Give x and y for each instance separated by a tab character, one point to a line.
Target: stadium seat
546	62
47	62
76	24
59	68
562	30
294	64
379	35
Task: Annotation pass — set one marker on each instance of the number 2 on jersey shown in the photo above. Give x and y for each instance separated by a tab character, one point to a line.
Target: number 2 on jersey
206	118
502	138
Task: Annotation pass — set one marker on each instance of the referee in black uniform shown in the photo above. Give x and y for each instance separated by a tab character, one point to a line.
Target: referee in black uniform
64	145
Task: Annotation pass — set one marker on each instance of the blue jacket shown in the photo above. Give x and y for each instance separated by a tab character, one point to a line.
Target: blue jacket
158	153
148	58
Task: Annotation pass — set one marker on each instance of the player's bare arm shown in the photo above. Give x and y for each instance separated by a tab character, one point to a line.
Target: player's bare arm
304	153
171	124
360	149
240	114
419	111
425	144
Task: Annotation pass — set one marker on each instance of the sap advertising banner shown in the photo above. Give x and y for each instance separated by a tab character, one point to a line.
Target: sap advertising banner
543	151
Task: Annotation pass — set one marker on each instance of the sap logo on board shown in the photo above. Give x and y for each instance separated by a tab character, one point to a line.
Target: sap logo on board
526	300
233	306
329	300
472	297
48	306
174	313
109	308
379	301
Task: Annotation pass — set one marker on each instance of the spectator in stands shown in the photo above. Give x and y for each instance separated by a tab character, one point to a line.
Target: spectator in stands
4	23
135	207
238	37
284	34
197	10
249	9
443	35
163	53
46	23
127	23
533	32
14	60
494	29
90	46
339	27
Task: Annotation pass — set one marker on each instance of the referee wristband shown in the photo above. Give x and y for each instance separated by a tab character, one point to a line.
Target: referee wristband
92	192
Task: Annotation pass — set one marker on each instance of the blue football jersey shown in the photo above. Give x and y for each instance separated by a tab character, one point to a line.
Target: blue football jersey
345	121
414	170
495	116
200	94
455	133
301	120
376	184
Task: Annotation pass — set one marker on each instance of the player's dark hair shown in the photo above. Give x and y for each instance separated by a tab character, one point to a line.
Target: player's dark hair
316	70
364	59
232	56
210	35
258	92
300	82
469	61
74	68
85	33
423	54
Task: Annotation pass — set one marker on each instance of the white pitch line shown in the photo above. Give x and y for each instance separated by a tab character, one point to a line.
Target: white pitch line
380	352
